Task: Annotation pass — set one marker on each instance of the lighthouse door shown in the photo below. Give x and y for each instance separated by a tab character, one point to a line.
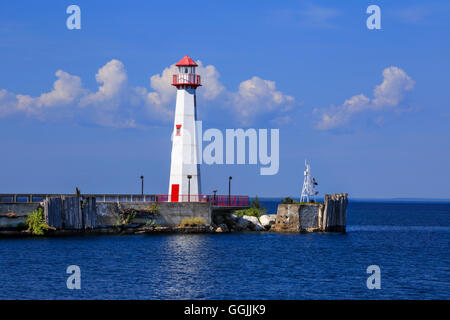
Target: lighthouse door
174	193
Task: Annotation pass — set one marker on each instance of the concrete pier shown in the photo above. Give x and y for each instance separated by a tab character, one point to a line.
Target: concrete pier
67	214
82	214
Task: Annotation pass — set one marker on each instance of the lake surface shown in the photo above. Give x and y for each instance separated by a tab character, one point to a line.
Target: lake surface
408	241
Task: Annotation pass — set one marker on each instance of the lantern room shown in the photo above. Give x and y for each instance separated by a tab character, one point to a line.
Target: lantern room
186	77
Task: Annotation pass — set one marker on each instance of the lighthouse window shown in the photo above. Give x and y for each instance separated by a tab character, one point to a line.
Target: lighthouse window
186	70
178	132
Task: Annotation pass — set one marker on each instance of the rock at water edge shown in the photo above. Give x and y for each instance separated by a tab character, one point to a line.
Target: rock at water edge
254	223
267	220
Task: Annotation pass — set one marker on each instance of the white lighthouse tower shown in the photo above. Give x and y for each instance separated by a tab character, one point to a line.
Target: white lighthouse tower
184	184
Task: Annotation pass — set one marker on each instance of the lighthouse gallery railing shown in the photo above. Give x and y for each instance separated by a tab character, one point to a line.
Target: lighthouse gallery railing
186	78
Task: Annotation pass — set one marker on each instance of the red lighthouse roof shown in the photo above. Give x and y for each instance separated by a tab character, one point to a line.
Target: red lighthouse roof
186	61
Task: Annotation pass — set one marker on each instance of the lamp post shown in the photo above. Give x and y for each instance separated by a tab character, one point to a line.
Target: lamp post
142	185
229	190
214	191
189	187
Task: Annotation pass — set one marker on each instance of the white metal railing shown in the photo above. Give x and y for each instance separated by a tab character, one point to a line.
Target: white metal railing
34	198
216	200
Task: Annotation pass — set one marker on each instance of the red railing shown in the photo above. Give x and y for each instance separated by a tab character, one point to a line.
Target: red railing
186	79
217	200
233	201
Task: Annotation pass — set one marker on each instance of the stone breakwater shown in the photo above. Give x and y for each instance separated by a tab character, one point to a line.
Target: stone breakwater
233	223
67	215
329	216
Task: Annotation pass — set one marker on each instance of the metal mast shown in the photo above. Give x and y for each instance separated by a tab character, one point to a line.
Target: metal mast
308	189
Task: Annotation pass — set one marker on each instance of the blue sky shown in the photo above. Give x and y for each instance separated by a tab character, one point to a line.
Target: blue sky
368	108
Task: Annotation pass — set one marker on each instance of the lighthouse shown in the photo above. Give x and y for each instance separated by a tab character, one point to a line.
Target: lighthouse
184	183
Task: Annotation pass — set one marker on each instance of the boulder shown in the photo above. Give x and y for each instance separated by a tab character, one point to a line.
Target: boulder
222	228
239	223
267	220
254	223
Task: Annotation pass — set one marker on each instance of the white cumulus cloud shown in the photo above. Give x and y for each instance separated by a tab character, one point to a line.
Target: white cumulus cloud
66	90
113	79
393	88
388	95
8	103
115	103
256	96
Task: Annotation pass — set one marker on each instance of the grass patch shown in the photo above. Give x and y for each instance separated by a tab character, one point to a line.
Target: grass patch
289	200
126	217
193	221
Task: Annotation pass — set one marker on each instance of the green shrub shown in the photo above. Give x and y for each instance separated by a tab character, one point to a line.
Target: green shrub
36	223
255	203
255	209
254	212
130	217
154	208
289	200
126	217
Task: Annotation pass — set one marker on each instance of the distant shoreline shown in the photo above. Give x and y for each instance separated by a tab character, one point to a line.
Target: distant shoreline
417	200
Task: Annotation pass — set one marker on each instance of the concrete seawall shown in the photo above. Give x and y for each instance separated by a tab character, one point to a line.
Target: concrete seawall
13	215
71	213
169	214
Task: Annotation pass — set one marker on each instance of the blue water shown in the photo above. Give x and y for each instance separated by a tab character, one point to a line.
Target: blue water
408	241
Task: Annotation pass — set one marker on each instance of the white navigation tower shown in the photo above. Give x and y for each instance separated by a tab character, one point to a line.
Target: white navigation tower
308	190
184	183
